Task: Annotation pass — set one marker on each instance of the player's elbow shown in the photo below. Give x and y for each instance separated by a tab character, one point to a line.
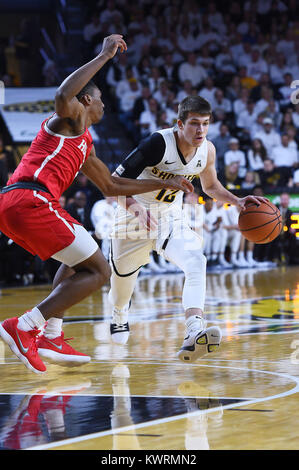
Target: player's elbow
61	107
109	189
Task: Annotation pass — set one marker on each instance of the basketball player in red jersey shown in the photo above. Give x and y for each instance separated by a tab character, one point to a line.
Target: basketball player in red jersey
30	213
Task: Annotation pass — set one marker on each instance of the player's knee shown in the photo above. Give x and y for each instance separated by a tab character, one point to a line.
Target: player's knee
103	275
195	263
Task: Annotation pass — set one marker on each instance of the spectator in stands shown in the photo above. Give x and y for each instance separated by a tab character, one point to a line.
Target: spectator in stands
274	113
186	90
128	97
278	70
235	155
191	70
292	132
208	39
264	81
296	115
155	79
224	63
208	89
117	24
286	121
141	104
206	61
264	104
92	29
27	46
246	119
162	94
271	178
82	183
231	179
285	158
221	143
258	125
148	119
126	107
245	56
246	81
250	180
79	210
219	102
240	104
256	155
233	90
124	86
108	14
268	136
285	91
186	40
118	71
256	66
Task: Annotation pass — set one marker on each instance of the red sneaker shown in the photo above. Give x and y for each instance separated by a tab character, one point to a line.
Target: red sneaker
23	344
59	352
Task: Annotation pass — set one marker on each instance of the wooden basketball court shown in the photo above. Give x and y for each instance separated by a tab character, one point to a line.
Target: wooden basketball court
139	396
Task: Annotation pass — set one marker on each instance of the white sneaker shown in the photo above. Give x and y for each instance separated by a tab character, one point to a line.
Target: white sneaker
120	333
224	263
252	263
119	326
198	343
240	264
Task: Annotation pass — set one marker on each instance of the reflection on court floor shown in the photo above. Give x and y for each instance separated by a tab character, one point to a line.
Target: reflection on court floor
139	396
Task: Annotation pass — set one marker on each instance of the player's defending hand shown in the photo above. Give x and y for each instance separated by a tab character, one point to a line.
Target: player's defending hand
180	183
111	44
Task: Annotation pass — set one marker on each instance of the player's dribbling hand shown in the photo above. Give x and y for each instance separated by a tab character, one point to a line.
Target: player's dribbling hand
255	199
180	183
111	44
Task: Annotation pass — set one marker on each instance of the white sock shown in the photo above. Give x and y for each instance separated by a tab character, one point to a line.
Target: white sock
233	257
30	320
250	255
195	322
241	256
120	317
53	328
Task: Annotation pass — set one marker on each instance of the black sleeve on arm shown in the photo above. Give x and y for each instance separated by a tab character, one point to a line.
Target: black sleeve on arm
149	153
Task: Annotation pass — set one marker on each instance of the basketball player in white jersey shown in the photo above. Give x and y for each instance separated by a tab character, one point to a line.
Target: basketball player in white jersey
154	221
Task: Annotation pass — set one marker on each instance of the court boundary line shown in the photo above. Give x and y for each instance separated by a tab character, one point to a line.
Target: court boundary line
155	422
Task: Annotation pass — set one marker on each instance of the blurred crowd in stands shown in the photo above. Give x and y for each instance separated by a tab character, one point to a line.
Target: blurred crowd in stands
243	57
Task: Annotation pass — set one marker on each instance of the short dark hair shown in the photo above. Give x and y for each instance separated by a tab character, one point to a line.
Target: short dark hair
193	104
87	89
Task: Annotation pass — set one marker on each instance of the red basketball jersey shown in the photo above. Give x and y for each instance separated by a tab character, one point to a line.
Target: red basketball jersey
53	160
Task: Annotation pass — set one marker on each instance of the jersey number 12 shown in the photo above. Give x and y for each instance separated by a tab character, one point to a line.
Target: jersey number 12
165	196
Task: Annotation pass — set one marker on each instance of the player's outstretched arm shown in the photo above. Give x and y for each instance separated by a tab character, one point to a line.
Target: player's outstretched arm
213	188
66	103
109	185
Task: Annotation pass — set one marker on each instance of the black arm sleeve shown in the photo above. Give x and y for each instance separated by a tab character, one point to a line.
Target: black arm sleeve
149	152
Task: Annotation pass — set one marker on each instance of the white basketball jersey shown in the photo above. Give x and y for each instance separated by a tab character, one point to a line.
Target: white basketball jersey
171	164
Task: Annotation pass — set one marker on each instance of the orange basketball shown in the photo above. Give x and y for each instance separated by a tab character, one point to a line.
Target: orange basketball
260	224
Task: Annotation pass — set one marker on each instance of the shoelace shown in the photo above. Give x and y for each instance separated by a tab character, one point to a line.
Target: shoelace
119	328
33	343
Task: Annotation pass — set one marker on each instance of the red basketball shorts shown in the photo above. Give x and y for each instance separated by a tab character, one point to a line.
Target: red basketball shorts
36	221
